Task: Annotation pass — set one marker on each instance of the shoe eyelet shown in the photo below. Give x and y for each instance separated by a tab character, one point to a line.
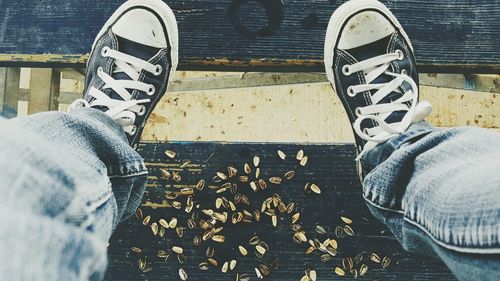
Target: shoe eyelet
158	70
400	54
104	51
346	70
133	131
151	90
357	111
404	72
142	110
100	70
350	92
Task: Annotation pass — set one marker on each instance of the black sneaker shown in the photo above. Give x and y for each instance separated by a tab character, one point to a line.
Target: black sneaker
370	63
132	60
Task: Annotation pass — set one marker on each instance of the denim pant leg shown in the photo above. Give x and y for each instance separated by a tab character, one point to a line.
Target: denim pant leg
438	190
66	180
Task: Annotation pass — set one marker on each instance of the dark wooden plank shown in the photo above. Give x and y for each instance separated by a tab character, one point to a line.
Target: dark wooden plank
451	35
330	166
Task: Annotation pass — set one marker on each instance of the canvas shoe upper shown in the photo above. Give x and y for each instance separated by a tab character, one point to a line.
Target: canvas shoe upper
132	60
370	63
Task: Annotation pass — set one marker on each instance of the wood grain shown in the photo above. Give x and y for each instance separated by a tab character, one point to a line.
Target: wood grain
451	35
330	166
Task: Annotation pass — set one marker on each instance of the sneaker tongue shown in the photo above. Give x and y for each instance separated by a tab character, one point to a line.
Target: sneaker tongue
135	49
371	50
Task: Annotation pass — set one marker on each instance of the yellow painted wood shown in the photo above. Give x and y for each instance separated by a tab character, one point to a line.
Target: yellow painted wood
294	113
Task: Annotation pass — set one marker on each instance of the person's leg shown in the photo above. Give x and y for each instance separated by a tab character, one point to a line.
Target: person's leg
66	182
68	179
440	195
437	190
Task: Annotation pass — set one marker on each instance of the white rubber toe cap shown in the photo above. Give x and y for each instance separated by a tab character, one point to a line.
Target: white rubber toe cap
364	28
141	26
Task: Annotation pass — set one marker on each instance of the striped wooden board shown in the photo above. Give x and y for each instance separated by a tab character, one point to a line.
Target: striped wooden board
449	35
331	167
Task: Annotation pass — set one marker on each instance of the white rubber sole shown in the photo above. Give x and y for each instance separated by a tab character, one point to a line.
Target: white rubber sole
337	20
166	14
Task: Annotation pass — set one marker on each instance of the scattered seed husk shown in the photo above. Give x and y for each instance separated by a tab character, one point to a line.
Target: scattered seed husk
181	258
346	220
300	237
177	250
197	240
182	274
289	175
231	171
180	231
312	275
339	231
170	154
358	258
254	240
300	155
296	227
290	207
177	205
275	180
305	278
142	264
253	186
162	254
326	257
176	176
185	164
262	184
339	271
257	173
256	161
347	263
247	168
363	269
203	266
310	250
232	264
219	238
148	268
295	218
136	250
165	174
243	250
274	221
259	275
264	269
172	223
348	230
282	155
315	189
154	228
225	267
138	213
243	178
385	262
244	277
212	261
303	161
146	220
222	176
260	249
163	223
201	184
191	223
375	258
320	230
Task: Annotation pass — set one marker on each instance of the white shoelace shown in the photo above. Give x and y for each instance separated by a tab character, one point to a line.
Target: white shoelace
122	111
415	112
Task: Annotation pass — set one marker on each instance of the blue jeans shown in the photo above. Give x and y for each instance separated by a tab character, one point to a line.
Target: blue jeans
69	178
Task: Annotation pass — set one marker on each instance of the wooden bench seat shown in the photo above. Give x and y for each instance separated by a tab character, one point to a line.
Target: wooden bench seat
450	35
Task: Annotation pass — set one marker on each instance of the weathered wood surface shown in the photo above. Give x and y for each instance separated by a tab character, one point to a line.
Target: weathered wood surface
447	35
330	166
